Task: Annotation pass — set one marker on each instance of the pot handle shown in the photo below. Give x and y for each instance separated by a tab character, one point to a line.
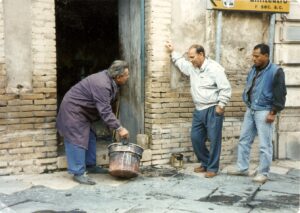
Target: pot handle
124	141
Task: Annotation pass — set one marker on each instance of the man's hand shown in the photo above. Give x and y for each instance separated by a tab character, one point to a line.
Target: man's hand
219	110
169	46
123	133
270	118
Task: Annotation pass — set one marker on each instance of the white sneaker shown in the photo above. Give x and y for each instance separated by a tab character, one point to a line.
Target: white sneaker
260	178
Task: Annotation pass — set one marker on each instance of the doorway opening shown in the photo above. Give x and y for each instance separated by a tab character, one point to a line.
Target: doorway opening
87	41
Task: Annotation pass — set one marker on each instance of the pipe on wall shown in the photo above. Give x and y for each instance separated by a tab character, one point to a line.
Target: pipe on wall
271	35
271	45
142	57
219	36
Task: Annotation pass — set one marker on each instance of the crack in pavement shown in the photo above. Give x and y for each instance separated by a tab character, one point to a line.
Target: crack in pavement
208	196
250	199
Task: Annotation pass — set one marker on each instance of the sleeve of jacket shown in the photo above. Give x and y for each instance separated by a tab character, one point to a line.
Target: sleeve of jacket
279	90
224	87
102	98
183	65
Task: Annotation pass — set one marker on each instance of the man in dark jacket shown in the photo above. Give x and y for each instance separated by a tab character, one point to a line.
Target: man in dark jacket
87	101
264	96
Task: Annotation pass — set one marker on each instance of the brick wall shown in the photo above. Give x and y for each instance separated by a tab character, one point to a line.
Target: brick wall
28	140
27	120
167	112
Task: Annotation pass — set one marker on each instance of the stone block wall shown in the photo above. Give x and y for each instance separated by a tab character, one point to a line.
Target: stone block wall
27	119
288	134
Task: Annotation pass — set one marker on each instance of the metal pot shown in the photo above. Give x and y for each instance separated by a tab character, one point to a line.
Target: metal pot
124	159
177	160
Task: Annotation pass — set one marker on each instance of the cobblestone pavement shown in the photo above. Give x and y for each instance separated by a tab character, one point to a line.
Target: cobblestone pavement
156	189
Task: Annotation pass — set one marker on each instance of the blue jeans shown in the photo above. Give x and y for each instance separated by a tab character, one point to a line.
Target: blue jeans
207	124
78	158
255	123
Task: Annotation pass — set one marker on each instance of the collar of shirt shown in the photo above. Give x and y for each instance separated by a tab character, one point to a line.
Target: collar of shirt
204	65
114	84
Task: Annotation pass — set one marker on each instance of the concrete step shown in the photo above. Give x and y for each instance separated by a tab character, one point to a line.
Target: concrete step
102	155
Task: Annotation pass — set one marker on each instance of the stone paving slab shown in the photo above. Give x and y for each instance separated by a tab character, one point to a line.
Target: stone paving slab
30	207
287	164
252	169
266	210
10	186
279	170
294	172
160	191
284	178
184	206
234	194
277	198
280	186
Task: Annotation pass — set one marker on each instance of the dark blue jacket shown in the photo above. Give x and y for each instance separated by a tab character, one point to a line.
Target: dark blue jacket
265	89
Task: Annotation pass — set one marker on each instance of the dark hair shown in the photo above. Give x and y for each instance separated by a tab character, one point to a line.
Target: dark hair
264	48
199	48
117	68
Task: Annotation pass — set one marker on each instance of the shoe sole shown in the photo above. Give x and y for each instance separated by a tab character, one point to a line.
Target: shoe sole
210	176
262	182
89	182
86	183
197	170
238	174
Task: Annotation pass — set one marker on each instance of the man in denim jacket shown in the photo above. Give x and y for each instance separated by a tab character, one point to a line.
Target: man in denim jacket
264	96
211	92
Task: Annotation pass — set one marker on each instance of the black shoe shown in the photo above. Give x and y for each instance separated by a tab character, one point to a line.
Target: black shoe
96	170
83	179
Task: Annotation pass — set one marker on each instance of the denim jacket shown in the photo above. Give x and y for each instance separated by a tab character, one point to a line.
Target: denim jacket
261	97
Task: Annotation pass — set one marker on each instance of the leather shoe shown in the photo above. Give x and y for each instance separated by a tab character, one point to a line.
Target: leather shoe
199	169
83	179
210	174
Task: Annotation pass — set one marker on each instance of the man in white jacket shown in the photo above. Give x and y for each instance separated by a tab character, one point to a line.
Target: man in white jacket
211	92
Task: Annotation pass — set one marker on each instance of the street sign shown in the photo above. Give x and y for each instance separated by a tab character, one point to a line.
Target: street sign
274	6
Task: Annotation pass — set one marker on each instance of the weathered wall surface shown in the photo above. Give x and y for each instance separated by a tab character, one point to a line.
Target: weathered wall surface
168	102
27	118
18	57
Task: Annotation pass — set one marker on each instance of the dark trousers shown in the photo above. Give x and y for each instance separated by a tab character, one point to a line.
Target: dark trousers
207	124
78	158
